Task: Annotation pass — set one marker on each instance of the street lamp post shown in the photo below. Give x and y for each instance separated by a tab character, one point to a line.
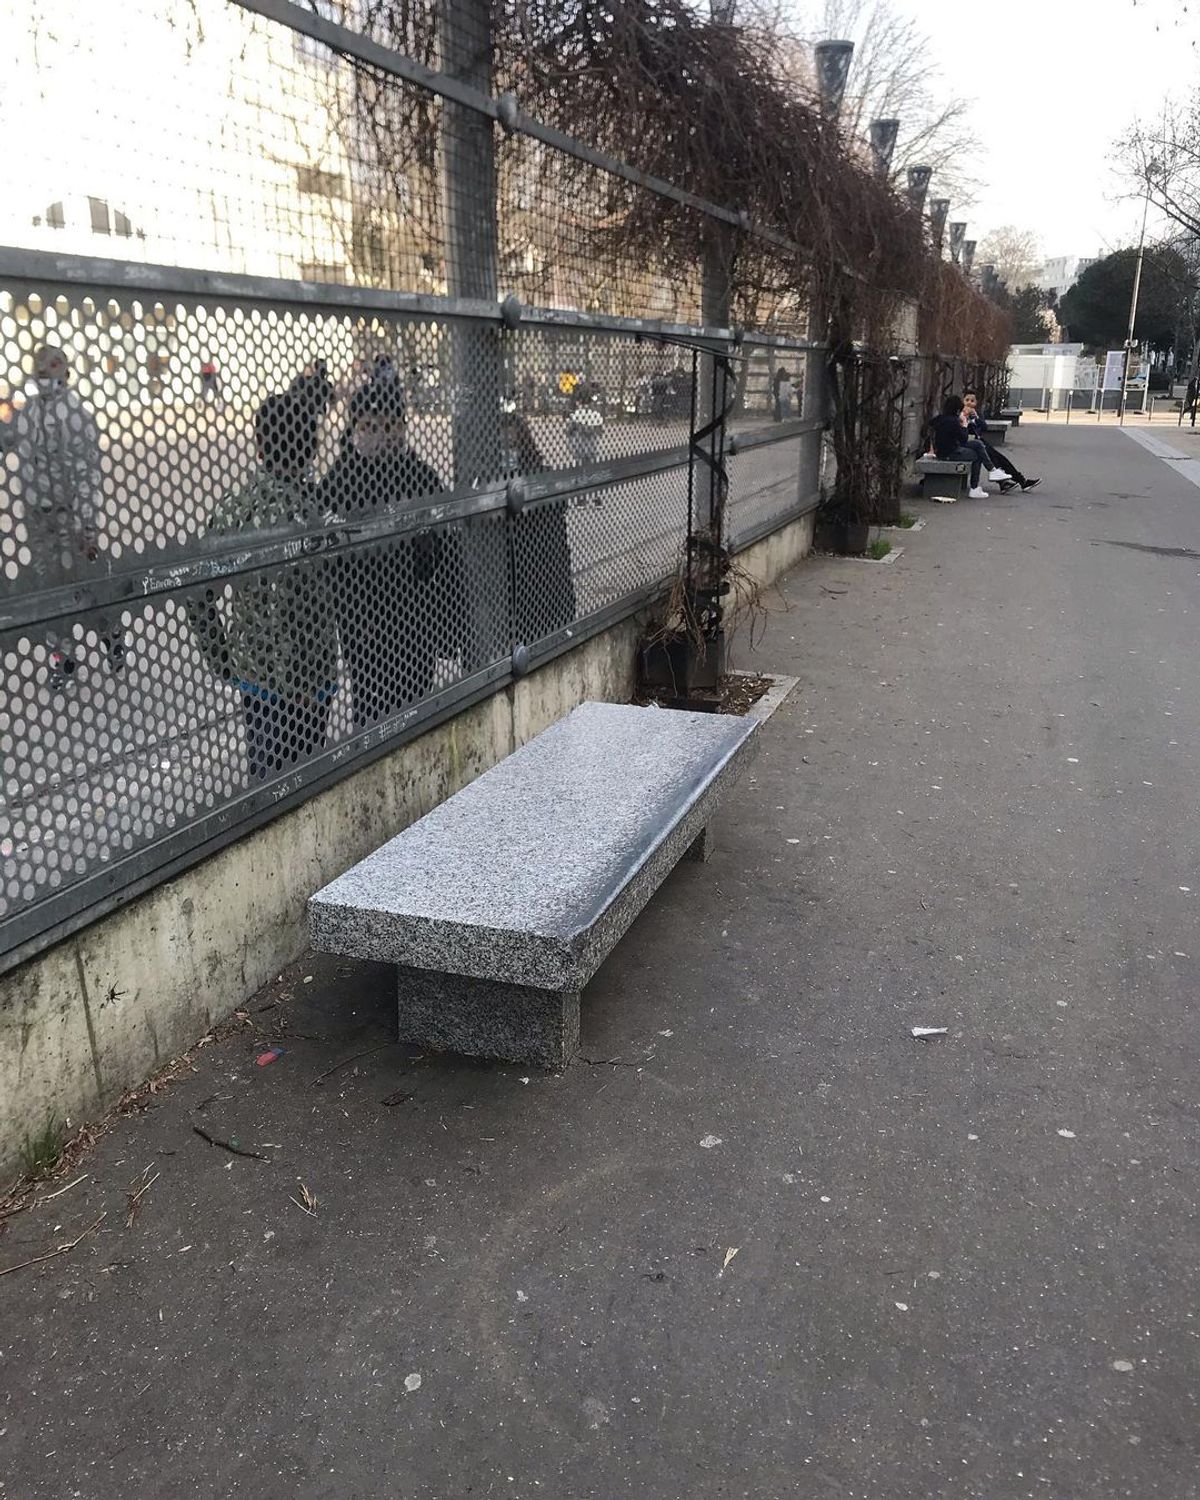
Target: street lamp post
1151	168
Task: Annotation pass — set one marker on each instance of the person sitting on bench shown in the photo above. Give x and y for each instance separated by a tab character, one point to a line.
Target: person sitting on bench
951	441
1003	471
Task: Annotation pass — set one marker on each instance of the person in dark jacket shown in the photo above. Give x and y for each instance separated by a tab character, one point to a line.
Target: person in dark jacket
952	441
543	585
1003	470
401	598
274	635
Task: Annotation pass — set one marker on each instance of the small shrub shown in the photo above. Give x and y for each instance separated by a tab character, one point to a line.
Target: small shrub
878	549
40	1153
906	520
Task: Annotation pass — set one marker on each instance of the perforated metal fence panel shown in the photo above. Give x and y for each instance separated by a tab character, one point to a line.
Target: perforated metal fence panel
283	479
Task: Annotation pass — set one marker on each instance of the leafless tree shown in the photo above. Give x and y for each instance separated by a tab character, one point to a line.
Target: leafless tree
1015	253
1162	161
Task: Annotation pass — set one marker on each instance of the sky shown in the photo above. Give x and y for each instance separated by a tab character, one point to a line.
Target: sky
1053	83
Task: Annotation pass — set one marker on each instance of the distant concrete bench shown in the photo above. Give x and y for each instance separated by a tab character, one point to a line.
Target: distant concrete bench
500	905
996	431
953	474
1012	415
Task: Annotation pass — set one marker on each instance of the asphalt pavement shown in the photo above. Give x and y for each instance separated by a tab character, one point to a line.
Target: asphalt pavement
759	1240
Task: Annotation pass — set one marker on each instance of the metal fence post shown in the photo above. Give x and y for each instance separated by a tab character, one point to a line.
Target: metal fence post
470	219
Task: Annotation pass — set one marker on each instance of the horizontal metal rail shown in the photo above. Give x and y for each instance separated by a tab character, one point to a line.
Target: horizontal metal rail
743	442
154	281
241	553
42	269
256	552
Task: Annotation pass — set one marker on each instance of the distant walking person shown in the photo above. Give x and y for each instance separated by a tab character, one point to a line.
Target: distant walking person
210	383
783	394
58	481
585	423
1193	394
1003	471
274	636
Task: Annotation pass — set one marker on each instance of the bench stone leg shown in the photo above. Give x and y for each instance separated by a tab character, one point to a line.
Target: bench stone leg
481	1018
701	847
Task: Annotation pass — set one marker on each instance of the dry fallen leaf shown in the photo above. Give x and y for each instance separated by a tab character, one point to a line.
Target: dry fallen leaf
729	1254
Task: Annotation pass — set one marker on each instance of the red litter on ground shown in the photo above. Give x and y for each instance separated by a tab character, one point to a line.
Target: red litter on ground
268	1056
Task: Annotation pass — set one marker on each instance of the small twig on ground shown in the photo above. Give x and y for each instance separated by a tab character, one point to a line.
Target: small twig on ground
60	1191
135	1198
58	1250
212	1099
346	1061
214	1140
309	1206
612	1062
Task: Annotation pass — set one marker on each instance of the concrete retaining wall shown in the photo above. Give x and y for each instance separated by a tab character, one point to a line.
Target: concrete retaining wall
95	1015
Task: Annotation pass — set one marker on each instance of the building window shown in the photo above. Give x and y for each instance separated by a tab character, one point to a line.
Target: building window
318	182
121	225
100	223
55	218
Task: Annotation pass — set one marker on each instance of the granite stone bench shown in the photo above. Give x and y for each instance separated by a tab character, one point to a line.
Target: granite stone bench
995	431
1012	415
499	905
953	474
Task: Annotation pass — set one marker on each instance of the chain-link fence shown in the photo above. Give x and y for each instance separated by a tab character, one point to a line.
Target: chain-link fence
285	478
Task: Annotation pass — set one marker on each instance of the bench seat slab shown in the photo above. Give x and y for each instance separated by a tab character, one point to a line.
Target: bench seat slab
530	875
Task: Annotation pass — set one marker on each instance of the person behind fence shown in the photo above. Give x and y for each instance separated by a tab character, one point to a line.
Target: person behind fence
543	583
782	382
210	382
585	423
1003	471
401	598
59	479
274	636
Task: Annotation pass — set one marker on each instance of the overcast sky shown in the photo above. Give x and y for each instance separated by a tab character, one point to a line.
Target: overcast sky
1053	83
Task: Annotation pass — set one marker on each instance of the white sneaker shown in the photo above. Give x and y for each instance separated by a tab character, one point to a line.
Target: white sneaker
979	493
998	474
